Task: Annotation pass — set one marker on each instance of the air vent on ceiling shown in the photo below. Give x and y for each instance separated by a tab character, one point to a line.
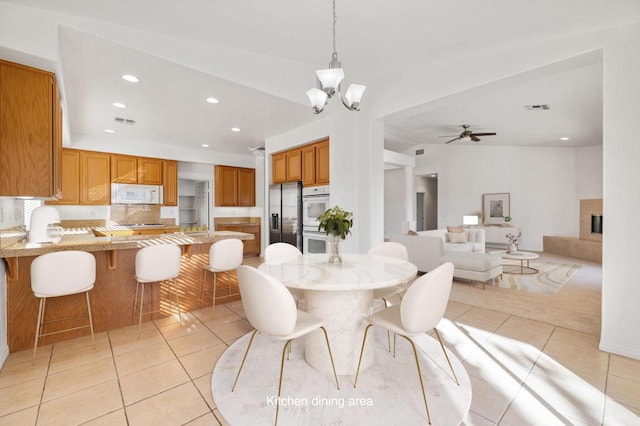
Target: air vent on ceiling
419	151
537	107
124	121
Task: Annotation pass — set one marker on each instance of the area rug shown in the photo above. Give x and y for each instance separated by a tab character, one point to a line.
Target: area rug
550	278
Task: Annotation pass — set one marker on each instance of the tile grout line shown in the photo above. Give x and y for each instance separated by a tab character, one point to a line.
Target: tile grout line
44	384
606	389
115	365
184	368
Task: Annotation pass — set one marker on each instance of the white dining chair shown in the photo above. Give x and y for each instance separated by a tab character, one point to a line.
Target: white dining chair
271	310
61	274
224	256
421	309
397	251
155	264
281	252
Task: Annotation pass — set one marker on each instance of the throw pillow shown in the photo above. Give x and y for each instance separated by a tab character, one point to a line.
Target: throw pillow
412	232
456	237
455	228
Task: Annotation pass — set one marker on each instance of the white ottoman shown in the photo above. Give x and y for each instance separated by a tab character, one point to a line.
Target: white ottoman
480	267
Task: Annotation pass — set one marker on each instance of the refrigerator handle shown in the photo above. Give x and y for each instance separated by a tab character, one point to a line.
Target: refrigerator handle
275	221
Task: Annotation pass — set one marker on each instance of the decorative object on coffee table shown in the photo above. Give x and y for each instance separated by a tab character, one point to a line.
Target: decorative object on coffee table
512	248
495	207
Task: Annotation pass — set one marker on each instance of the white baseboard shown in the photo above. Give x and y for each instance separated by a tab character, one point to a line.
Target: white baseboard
4	354
620	350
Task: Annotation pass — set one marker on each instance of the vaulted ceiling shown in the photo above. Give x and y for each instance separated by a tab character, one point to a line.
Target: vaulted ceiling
258	58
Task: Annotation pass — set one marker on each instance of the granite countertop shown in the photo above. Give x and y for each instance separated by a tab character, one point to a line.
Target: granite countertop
85	240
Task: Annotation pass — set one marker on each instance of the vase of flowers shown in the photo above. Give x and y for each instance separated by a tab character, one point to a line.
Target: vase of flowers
336	223
514	239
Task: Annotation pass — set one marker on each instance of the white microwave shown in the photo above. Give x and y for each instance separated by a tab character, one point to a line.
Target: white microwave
135	194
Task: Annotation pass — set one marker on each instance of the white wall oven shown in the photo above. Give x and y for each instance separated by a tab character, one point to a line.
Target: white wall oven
315	201
314	242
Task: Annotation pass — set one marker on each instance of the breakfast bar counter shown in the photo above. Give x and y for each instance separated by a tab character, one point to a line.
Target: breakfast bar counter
114	291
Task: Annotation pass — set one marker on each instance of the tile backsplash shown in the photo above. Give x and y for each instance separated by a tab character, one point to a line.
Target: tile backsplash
135	213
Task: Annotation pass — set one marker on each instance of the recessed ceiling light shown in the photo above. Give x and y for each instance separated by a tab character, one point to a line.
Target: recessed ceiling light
204	145
564	138
130	78
212	100
119	105
433	175
109	131
235	129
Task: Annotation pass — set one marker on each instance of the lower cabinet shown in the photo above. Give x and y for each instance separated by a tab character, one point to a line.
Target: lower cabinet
251	247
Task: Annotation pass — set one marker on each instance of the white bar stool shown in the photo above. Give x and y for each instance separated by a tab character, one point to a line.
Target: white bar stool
156	264
61	274
225	255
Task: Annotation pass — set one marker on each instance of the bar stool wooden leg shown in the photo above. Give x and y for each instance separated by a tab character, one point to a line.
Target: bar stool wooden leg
93	340
141	300
38	325
215	277
175	287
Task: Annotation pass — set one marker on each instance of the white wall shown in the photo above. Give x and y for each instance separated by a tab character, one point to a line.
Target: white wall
394	202
621	198
540	182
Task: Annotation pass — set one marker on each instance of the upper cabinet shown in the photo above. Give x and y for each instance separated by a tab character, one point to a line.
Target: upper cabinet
86	176
95	182
30	132
235	186
140	170
309	164
170	183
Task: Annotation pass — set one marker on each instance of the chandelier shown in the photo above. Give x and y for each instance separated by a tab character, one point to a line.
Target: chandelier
329	82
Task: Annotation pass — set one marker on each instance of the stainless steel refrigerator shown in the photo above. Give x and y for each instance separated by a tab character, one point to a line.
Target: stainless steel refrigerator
285	214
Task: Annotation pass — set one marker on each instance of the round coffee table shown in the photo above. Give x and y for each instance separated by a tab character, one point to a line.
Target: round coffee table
522	256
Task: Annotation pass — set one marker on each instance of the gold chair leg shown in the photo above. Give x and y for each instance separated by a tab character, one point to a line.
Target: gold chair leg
215	283
326	338
243	359
424	395
284	351
204	282
93	340
446	356
364	340
141	301
38	332
135	300
394	344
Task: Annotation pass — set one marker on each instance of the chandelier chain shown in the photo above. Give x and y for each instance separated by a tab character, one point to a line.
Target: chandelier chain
335	18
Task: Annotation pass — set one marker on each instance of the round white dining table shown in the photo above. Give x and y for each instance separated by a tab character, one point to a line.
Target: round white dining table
342	295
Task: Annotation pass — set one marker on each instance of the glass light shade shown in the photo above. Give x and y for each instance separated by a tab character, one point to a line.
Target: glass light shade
354	95
317	97
330	78
469	220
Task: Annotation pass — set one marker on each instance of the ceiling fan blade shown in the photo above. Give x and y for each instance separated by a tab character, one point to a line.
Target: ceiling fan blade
483	134
474	138
447	136
455	139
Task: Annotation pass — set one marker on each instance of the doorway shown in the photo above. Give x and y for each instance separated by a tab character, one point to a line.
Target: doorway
427	202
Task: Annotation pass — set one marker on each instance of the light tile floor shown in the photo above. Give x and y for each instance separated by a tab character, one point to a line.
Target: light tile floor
523	372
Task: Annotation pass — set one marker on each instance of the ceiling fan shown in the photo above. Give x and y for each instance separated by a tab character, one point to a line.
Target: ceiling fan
468	134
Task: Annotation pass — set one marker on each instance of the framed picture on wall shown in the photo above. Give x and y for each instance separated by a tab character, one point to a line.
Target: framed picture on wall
495	207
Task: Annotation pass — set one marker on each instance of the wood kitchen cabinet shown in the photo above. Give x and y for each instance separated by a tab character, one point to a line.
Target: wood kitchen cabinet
30	132
138	170
95	178
251	247
308	163
279	168
170	183
70	178
322	162
235	186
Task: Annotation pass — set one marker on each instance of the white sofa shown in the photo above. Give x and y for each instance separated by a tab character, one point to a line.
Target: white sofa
475	240
428	250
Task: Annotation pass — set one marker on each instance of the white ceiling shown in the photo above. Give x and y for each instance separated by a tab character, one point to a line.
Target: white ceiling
278	45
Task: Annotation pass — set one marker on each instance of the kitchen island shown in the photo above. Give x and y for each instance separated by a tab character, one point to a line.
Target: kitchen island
113	294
